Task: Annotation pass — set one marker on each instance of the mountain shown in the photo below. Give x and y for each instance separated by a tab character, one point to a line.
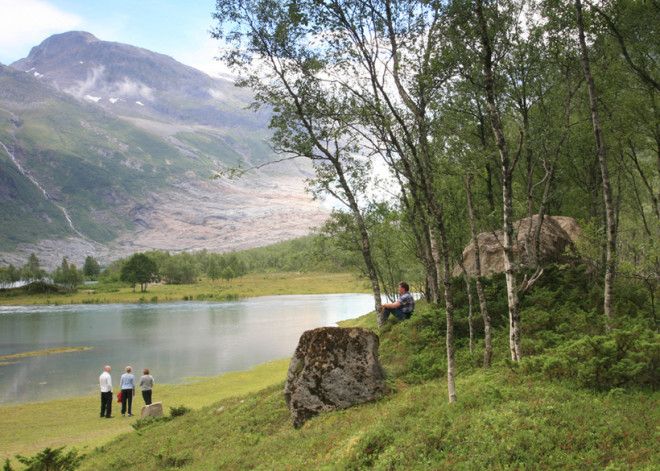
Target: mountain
107	149
131	81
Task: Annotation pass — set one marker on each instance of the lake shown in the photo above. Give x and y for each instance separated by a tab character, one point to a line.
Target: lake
174	340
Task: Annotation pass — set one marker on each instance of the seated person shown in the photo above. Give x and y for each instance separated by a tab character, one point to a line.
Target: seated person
403	307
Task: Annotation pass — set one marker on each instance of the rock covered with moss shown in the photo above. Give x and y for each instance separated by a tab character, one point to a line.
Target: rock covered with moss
333	368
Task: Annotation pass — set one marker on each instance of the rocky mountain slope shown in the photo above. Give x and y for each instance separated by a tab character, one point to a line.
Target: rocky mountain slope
107	149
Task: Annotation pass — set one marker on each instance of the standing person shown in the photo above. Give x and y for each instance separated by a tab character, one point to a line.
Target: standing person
127	384
403	307
105	382
146	385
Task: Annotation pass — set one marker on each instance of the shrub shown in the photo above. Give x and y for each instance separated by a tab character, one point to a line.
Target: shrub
178	411
622	358
52	459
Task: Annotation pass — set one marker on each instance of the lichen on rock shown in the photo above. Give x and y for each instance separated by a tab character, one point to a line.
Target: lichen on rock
333	368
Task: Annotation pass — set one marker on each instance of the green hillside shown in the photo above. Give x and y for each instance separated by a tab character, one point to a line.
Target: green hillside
24	211
90	162
537	415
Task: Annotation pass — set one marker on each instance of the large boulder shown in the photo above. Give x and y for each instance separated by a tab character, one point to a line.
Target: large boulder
557	234
333	368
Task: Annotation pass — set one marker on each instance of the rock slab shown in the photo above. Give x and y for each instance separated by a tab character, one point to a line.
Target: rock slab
333	368
152	410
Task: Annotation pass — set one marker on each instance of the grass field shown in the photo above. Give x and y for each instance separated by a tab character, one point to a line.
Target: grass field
205	290
28	428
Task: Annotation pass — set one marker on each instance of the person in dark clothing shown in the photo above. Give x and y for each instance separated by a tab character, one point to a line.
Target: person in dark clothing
146	385
403	307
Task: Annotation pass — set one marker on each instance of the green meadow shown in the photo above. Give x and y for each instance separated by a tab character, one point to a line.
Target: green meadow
250	285
28	428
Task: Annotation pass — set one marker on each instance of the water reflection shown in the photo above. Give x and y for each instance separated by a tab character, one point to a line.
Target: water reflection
174	340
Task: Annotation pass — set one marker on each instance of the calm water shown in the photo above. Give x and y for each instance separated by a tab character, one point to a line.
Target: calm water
174	340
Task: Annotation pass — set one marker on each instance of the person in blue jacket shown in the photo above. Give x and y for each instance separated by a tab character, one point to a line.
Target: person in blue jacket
127	385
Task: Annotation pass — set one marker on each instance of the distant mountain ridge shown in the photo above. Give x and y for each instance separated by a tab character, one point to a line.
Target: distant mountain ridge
111	148
132	81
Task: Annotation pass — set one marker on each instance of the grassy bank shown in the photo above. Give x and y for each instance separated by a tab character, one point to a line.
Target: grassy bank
499	422
205	290
580	399
504	418
28	428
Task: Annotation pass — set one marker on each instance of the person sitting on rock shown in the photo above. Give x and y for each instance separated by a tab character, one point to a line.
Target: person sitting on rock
403	307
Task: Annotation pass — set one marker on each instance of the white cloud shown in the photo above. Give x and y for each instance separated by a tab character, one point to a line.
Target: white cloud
129	88
89	84
203	57
25	23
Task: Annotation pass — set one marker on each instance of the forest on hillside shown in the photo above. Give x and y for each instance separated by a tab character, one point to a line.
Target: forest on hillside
483	113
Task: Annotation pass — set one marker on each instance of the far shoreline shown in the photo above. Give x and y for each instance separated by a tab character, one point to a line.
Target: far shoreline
248	286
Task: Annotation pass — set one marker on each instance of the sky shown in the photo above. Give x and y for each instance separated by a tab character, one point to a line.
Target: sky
178	28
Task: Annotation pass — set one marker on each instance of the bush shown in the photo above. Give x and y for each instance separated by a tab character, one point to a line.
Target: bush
52	459
178	411
622	358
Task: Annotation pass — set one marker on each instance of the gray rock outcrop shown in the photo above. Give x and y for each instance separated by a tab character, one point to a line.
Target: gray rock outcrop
333	368
557	234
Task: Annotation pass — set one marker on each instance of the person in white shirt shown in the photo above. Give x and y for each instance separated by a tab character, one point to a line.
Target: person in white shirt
105	382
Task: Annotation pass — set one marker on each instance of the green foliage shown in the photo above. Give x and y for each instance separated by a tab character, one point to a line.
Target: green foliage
306	254
52	459
562	331
91	268
67	275
139	268
392	246
32	270
178	411
223	266
7	466
621	358
9	274
179	269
